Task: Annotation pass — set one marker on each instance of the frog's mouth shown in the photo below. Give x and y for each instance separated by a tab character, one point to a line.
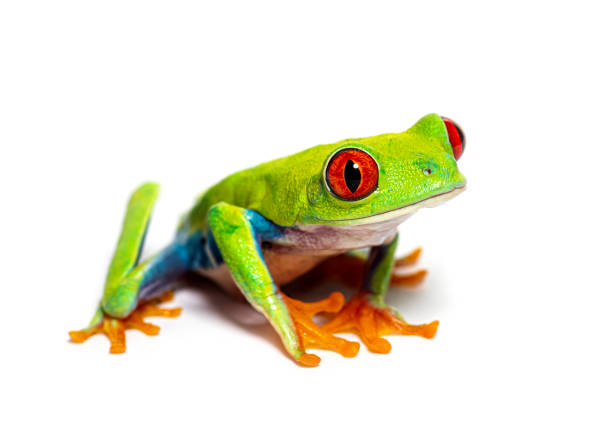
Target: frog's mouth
401	212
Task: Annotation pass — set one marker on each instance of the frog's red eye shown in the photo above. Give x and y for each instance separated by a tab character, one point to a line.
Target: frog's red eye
352	174
455	136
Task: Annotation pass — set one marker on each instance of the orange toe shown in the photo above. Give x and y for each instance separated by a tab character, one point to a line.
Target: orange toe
412	279
313	336
80	336
371	323
309	360
409	259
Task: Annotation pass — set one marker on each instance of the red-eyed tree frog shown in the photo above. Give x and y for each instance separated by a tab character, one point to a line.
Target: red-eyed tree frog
308	214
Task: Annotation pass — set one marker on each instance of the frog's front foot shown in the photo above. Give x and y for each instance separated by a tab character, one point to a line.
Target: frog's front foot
371	321
114	328
313	336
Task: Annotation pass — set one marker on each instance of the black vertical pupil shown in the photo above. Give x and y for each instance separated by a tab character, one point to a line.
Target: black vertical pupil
352	176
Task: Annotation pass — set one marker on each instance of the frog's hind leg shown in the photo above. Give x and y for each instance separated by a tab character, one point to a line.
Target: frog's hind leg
349	269
134	291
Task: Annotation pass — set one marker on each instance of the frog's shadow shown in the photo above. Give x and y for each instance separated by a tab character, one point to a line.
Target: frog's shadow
211	298
235	309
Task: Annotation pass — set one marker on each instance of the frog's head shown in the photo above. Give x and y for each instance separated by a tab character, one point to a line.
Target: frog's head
378	178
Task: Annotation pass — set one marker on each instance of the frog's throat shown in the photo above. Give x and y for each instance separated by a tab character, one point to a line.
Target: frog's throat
406	210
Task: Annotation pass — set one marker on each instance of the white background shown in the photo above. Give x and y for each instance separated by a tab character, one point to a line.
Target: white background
96	97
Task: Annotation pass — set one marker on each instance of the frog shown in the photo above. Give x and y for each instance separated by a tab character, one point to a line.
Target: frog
329	212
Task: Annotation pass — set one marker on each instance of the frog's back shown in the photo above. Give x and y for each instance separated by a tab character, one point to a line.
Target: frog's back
238	189
275	189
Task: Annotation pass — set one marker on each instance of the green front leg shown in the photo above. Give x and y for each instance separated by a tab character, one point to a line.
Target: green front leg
238	241
378	269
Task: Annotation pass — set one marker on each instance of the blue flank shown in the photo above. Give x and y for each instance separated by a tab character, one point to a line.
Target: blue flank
264	228
166	267
191	251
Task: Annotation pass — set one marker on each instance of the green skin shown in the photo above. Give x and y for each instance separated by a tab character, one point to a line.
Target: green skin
266	203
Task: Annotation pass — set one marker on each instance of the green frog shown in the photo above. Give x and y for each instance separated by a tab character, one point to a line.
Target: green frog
329	211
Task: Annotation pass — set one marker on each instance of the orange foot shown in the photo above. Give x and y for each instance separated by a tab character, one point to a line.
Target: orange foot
313	336
115	328
371	323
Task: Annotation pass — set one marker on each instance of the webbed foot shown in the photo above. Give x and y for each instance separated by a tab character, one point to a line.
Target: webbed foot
313	336
115	328
371	322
